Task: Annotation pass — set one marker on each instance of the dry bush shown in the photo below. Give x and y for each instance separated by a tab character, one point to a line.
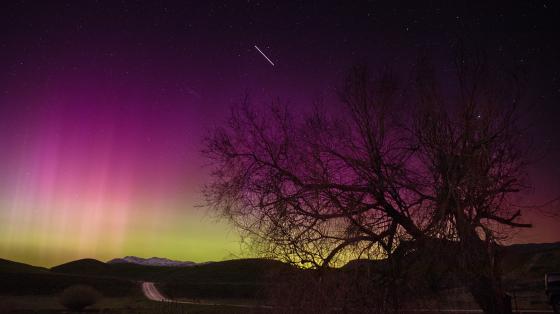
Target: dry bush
78	297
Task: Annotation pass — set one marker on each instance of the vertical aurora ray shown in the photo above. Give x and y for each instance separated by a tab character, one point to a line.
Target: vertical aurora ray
102	175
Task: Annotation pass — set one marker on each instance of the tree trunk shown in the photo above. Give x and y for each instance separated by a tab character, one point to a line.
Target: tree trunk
490	297
483	275
477	264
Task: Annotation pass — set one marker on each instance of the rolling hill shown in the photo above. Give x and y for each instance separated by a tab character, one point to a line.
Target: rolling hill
22	279
86	266
240	270
232	278
7	266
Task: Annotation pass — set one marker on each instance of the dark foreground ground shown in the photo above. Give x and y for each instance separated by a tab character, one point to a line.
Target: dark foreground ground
49	304
244	286
125	305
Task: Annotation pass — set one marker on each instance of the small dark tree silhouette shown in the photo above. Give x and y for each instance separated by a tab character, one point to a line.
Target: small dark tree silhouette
377	175
78	297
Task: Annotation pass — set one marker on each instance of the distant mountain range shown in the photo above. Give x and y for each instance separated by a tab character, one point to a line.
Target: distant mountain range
524	266
152	261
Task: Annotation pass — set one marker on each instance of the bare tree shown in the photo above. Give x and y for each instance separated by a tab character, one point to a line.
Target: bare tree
382	172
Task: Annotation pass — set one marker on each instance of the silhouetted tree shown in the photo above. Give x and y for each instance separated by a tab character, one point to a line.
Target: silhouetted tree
386	169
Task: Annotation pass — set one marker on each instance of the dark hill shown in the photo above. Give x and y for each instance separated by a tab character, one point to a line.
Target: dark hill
365	265
23	279
533	247
238	270
226	279
92	267
240	278
87	266
7	266
525	263
524	266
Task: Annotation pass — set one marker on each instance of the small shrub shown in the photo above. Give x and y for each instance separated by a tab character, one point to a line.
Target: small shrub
76	298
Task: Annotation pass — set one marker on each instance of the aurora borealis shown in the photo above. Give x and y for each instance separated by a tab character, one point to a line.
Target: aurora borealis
103	107
97	174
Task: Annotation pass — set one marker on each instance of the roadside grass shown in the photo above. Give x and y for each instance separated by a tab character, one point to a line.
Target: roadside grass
232	301
126	305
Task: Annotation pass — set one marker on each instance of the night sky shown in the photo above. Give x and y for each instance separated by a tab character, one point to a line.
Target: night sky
104	104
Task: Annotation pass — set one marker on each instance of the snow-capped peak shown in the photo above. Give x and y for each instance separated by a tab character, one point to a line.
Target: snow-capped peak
152	261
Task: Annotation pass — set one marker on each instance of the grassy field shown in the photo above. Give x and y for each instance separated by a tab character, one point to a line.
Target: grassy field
51	283
126	305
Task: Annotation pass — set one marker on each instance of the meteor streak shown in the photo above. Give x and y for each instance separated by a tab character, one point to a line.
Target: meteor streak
262	53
